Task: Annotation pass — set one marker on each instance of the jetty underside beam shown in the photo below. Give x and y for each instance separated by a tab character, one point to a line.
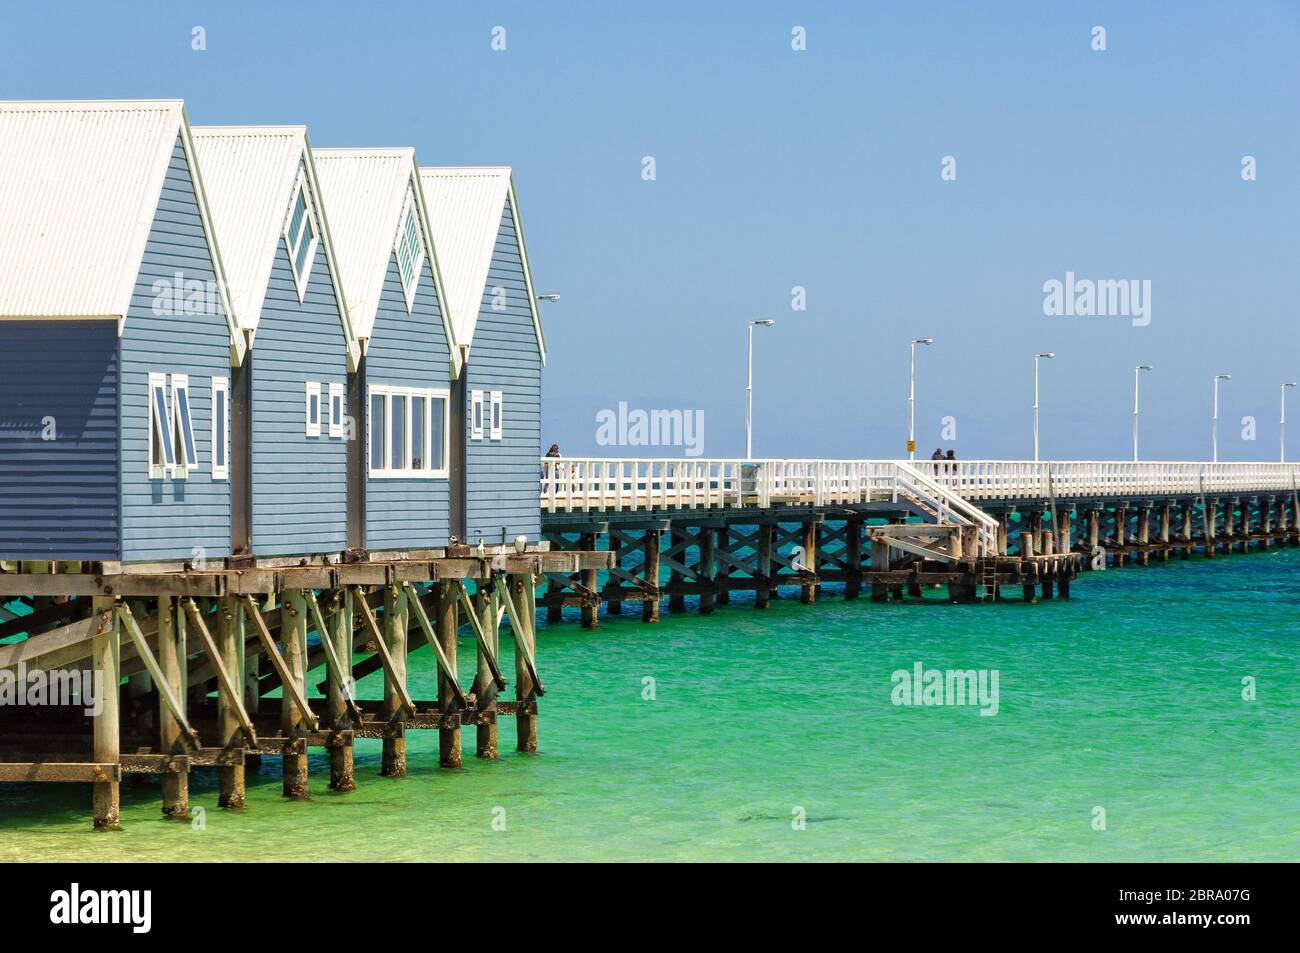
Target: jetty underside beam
186	654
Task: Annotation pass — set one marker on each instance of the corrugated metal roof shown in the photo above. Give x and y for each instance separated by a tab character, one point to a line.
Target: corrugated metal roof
79	182
465	206
249	173
363	191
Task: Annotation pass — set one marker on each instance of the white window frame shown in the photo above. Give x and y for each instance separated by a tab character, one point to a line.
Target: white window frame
312	427
221	385
336	393
181	430
496	415
409	210
388	392
309	221
158	382
476	415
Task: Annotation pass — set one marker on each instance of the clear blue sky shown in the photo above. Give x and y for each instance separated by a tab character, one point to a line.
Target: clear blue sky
819	168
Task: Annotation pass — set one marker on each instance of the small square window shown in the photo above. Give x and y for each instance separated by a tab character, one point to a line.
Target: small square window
188	454
495	422
409	249
313	408
220	428
335	410
162	446
300	238
476	415
378	427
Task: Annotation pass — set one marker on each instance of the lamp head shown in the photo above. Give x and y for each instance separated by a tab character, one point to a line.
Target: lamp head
1223	377
1144	367
923	341
1046	354
551	296
764	322
1289	384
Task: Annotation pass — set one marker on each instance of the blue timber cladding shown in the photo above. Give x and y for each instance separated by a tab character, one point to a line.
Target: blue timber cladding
407	350
502	475
299	482
58	440
173	519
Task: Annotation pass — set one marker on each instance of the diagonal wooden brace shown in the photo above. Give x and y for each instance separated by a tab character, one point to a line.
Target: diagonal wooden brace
224	683
156	673
288	684
517	628
381	646
488	654
444	664
332	662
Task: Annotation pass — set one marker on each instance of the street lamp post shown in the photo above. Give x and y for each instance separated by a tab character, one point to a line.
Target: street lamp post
1283	437
1214	420
911	400
749	387
1137	374
1049	355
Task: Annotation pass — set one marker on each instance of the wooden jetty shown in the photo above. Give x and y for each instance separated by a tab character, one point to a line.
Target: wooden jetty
980	528
189	656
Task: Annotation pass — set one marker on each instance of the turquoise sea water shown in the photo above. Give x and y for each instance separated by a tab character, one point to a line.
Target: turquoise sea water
1127	697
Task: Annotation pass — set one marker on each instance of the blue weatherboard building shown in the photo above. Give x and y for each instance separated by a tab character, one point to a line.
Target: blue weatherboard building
290	488
475	217
117	338
403	465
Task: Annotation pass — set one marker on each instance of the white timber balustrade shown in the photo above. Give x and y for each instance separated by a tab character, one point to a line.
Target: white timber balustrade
948	491
1098	479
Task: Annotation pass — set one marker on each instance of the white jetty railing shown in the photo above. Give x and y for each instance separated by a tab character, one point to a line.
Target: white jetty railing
1019	479
578	484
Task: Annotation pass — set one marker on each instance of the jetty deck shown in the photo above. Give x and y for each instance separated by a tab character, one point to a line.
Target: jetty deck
979	527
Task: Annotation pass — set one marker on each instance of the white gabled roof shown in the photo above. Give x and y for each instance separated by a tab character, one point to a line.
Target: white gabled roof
465	208
364	191
249	174
79	185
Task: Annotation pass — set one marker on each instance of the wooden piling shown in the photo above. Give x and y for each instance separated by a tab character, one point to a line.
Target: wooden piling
852	558
105	650
589	578
650	547
1144	533
521	589
1166	519
764	591
614	605
338	618
293	642
808	589
676	598
449	753
721	577
707	568
397	620
879	563
485	689
230	643
172	656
